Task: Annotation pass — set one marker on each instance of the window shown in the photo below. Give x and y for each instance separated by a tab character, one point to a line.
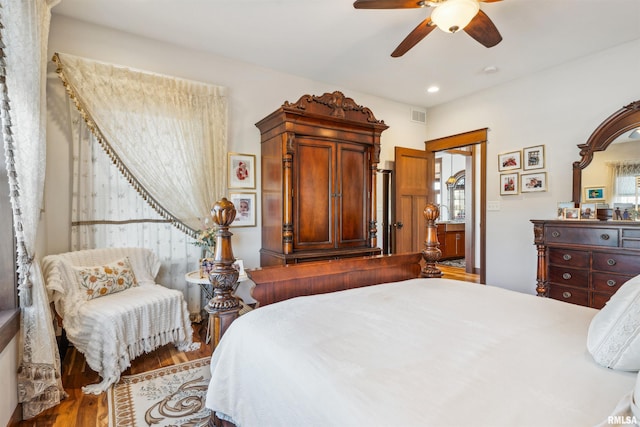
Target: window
9	319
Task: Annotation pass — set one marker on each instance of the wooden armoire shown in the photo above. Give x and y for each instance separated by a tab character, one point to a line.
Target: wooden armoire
319	158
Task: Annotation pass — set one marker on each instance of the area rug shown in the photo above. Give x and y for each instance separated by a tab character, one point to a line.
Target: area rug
459	263
171	396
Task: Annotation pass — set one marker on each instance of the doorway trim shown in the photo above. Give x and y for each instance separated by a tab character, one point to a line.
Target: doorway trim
478	140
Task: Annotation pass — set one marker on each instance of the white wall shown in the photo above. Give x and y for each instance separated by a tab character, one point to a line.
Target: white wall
254	93
9	380
559	108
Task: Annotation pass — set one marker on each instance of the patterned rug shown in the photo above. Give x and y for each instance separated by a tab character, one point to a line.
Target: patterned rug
171	396
459	263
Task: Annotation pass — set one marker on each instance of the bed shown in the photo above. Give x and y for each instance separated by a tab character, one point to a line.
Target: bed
422	352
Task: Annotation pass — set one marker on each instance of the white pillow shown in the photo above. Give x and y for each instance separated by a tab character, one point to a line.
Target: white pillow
614	333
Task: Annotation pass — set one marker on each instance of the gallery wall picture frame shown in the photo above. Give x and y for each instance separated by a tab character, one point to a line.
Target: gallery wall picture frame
510	161
533	182
533	157
594	194
241	170
509	184
245	204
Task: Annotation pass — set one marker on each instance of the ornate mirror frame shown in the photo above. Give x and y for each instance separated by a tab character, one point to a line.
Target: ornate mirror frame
623	120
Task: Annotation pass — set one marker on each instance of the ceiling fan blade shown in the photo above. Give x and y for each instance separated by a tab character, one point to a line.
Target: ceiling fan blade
482	29
418	33
388	4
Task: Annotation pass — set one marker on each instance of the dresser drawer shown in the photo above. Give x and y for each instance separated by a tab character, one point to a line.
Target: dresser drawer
569	276
599	299
567	257
616	263
606	282
600	236
572	295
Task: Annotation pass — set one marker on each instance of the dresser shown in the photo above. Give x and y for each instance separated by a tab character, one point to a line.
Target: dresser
585	262
319	158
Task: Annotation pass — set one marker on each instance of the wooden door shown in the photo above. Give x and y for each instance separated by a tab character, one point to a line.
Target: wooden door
352	195
411	192
314	194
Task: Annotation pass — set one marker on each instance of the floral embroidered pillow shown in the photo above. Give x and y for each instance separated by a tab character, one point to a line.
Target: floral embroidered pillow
102	280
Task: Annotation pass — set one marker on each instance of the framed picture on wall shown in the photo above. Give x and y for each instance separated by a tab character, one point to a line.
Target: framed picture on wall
509	161
245	204
533	157
508	183
594	194
242	170
533	182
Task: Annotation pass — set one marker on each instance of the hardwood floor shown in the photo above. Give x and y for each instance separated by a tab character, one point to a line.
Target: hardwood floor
83	410
88	410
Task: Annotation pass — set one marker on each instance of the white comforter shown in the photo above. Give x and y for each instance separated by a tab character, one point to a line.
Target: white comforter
424	352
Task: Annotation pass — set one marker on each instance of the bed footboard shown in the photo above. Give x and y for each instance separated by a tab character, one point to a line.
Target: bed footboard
278	283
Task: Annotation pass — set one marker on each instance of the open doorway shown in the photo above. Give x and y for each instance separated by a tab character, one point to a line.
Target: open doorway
471	200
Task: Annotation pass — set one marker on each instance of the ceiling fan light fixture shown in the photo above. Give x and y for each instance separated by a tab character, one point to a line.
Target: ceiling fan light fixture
454	15
635	134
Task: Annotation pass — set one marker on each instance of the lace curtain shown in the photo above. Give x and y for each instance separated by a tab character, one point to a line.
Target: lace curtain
106	212
24	32
166	135
624	181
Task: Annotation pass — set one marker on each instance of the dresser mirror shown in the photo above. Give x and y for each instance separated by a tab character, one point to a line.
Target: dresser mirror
617	144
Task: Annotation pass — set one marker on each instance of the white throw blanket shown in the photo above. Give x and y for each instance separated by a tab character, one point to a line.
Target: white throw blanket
113	330
424	352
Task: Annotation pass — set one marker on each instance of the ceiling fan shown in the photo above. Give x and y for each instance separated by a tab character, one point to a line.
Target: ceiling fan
448	15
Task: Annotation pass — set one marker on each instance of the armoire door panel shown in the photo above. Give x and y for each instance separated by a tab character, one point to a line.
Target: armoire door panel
314	161
352	196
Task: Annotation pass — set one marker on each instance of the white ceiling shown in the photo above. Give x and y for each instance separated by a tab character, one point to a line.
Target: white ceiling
330	41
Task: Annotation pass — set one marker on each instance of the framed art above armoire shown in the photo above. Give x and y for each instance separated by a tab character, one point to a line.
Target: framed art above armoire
319	158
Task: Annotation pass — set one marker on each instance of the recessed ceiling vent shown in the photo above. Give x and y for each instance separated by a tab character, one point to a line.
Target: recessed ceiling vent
418	116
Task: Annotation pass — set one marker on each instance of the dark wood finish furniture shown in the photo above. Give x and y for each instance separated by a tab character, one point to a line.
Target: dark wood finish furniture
451	238
224	307
319	158
623	120
585	262
278	283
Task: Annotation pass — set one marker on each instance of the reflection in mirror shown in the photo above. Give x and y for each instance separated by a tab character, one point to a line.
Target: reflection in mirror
614	148
617	171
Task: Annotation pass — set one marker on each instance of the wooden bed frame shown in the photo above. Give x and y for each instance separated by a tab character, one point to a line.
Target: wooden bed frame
278	283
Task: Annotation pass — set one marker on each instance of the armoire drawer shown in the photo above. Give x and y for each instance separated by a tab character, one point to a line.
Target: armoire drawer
606	282
569	276
572	295
568	257
616	263
599	236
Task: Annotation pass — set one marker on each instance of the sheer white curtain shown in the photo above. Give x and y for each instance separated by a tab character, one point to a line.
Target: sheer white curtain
624	181
24	31
166	135
106	211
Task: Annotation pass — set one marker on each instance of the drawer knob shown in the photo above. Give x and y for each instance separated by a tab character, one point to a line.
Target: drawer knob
604	236
555	234
566	276
566	257
611	282
566	294
611	261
